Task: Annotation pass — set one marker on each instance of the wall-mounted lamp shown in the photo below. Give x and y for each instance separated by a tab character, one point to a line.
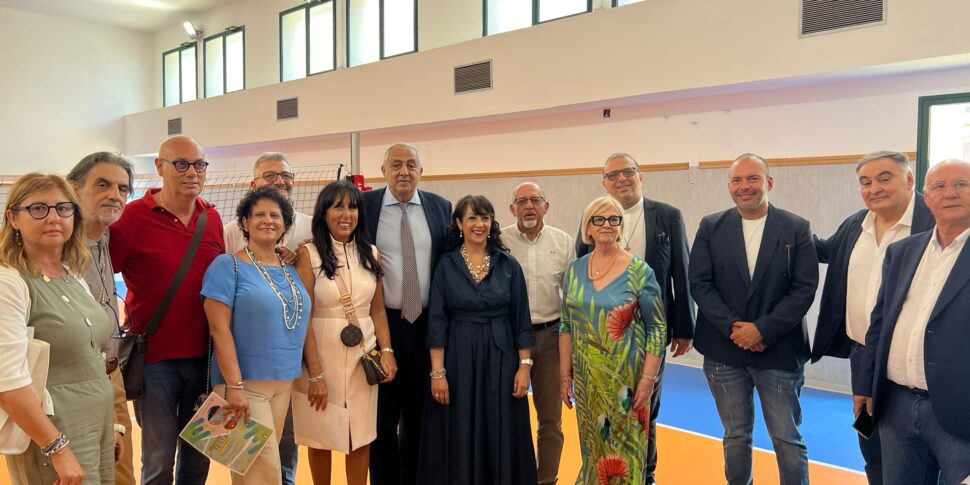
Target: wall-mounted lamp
191	31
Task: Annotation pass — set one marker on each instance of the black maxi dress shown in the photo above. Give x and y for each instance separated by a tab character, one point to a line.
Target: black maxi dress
483	437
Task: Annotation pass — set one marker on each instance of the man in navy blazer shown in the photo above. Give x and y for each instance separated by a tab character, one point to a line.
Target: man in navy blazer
655	232
915	368
855	254
398	209
753	273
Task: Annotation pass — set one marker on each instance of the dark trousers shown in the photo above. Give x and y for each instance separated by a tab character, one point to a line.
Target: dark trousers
652	437
289	452
871	448
400	404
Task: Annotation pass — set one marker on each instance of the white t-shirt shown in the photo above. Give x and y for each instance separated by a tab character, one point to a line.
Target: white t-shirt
753	230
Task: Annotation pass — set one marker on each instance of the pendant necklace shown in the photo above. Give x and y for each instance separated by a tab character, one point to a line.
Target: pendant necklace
595	275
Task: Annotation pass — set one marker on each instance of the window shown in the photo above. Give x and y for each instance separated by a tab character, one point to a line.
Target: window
308	40
505	15
620	3
378	29
943	131
179	79
224	64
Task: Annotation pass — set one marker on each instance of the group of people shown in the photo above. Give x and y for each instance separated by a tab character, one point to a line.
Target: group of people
461	317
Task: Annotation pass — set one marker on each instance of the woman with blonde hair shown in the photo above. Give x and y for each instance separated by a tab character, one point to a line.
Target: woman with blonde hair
43	256
611	342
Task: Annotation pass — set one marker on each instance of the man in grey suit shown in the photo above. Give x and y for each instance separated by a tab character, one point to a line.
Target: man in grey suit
653	231
409	226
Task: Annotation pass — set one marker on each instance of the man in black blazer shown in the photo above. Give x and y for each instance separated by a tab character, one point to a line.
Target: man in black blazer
753	273
855	254
393	213
655	232
914	371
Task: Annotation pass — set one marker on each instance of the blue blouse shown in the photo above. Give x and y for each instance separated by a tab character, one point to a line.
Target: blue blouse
265	348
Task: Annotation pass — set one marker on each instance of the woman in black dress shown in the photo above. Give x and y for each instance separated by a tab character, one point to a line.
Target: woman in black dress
476	422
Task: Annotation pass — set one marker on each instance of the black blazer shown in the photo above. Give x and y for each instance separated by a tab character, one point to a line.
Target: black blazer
830	336
946	360
667	255
436	209
775	300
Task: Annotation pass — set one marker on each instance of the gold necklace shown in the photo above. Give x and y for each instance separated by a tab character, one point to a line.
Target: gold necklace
595	275
478	271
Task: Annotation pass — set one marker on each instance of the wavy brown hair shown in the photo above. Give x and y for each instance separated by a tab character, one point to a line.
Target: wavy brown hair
75	255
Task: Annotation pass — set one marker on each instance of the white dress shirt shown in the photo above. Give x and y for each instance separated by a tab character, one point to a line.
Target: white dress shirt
389	244
299	231
753	230
906	363
635	230
543	262
865	270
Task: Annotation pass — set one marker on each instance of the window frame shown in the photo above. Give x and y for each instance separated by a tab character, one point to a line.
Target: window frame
224	34
616	3
380	38
306	19
179	50
535	15
926	103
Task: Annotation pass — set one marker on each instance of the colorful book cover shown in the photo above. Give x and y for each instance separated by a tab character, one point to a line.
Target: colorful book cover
235	447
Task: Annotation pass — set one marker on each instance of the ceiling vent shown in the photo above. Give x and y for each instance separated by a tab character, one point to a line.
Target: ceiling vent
175	126
820	16
287	109
473	77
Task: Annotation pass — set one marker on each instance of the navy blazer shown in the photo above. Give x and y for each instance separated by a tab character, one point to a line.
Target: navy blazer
775	299
437	210
667	254
946	360
830	336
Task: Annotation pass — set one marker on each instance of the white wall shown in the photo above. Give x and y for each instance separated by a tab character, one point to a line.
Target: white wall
646	49
66	85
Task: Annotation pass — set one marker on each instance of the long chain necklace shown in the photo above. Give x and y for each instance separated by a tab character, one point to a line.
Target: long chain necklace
595	275
633	231
292	307
478	271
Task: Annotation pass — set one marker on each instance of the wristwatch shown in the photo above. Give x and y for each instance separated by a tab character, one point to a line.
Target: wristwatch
527	362
120	428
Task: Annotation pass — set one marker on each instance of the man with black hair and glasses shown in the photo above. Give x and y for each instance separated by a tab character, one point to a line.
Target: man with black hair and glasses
147	246
103	182
272	168
653	231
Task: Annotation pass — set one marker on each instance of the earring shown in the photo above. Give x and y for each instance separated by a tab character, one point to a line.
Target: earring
489	236
16	237
461	234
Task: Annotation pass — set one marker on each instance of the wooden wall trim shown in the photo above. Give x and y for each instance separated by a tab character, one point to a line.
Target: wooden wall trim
800	161
658	167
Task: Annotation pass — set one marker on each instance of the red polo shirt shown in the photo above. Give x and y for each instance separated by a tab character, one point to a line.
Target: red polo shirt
147	245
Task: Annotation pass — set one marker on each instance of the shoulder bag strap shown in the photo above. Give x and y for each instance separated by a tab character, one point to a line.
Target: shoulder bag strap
346	299
173	286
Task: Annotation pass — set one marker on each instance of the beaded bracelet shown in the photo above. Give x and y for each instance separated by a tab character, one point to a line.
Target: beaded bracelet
318	377
55	446
438	373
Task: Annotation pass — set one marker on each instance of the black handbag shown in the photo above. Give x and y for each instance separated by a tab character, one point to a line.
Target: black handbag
134	346
351	336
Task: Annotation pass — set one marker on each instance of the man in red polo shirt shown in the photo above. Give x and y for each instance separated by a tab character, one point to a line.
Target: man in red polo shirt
147	246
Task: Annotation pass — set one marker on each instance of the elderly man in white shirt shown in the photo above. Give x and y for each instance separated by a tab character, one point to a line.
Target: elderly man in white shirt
543	252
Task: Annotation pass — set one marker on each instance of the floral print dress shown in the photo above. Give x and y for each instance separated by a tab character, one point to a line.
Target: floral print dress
612	331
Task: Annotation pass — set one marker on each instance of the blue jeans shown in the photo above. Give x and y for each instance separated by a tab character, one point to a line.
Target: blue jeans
733	391
916	449
172	388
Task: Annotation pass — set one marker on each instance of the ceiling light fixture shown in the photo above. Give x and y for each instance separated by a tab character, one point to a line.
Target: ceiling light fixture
191	31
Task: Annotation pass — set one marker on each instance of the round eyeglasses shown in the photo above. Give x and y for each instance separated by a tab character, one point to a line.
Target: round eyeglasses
40	210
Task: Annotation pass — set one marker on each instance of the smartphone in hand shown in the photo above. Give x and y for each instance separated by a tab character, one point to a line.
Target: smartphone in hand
863	423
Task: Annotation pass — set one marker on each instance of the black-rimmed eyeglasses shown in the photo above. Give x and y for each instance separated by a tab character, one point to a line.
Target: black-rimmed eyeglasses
600	220
271	177
40	210
182	165
628	172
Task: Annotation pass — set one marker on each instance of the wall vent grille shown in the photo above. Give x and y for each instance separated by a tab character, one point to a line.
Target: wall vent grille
473	77
175	126
287	109
820	16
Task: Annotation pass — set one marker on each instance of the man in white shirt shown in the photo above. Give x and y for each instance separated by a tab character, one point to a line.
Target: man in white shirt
753	273
543	252
855	255
272	168
914	371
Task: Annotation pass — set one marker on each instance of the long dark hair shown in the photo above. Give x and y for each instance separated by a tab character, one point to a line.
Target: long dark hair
482	207
330	196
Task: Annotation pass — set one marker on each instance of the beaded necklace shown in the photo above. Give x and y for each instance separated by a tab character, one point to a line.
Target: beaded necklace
292	307
478	271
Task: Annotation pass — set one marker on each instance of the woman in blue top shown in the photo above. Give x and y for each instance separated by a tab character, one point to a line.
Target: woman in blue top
258	311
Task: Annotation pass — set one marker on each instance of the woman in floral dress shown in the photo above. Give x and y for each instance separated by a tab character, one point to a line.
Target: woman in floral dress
611	342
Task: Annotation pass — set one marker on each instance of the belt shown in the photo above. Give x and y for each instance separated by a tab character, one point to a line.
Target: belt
498	321
111	365
538	327
914	390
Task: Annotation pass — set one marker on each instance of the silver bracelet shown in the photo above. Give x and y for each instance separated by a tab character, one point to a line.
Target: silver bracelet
438	373
318	377
388	350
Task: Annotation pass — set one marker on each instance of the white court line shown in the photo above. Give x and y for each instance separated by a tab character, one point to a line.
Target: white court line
771	452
